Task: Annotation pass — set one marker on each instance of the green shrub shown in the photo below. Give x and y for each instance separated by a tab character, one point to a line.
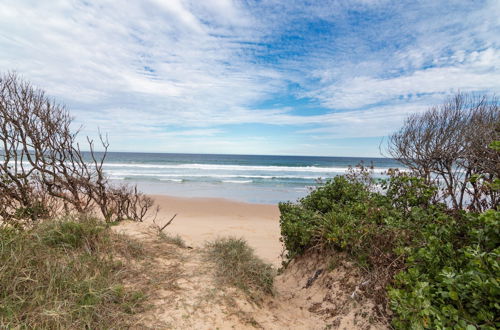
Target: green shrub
405	191
443	265
297	227
344	214
324	217
339	191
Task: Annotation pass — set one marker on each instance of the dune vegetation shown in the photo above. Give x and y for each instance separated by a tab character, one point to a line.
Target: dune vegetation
237	265
60	264
66	274
428	237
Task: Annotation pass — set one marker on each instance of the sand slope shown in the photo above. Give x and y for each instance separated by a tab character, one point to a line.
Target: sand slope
184	293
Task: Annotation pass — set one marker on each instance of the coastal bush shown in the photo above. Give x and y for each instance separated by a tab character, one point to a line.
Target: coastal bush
345	214
429	237
326	216
438	266
64	275
43	171
448	146
237	265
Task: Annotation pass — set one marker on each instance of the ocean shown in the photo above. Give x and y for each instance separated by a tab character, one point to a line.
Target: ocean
247	178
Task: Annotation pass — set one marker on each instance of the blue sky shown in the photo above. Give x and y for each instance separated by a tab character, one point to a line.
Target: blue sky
251	77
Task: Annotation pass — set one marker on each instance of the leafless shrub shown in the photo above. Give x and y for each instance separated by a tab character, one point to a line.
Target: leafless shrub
449	145
43	170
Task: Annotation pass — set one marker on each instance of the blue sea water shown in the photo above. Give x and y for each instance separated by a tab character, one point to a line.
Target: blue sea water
248	178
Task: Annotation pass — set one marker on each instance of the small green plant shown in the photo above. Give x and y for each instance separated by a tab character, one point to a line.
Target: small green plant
236	265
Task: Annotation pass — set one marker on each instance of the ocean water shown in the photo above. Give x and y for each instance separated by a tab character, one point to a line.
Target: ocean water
248	178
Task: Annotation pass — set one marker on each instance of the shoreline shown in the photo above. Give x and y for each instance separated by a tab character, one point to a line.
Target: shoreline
238	192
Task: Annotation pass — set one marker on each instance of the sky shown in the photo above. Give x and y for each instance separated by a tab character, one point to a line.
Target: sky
282	77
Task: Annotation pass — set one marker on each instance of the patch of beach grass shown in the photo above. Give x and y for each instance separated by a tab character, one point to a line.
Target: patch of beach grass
66	274
173	239
236	265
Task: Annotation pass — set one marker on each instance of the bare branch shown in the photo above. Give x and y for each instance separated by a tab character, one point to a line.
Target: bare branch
43	167
448	146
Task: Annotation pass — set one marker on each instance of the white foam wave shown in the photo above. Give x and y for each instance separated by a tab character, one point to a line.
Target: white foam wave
270	168
237	181
220	167
208	175
117	177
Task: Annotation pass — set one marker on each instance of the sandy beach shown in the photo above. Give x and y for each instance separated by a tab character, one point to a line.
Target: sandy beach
201	219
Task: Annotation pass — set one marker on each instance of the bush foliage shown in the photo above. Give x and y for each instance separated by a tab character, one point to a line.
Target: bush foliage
435	263
452	277
440	266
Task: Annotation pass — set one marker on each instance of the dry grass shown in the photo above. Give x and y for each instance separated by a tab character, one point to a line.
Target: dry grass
66	274
237	265
176	240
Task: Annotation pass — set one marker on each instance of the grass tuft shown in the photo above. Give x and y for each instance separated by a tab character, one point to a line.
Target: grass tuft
62	274
173	239
237	265
71	234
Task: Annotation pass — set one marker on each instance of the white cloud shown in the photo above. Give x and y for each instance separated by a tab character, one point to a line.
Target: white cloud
479	72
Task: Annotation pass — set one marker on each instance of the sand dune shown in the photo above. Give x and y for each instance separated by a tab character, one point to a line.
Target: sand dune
186	296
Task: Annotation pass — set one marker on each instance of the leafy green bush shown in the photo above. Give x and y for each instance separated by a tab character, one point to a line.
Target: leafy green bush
452	280
405	192
344	214
443	265
297	225
324	217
